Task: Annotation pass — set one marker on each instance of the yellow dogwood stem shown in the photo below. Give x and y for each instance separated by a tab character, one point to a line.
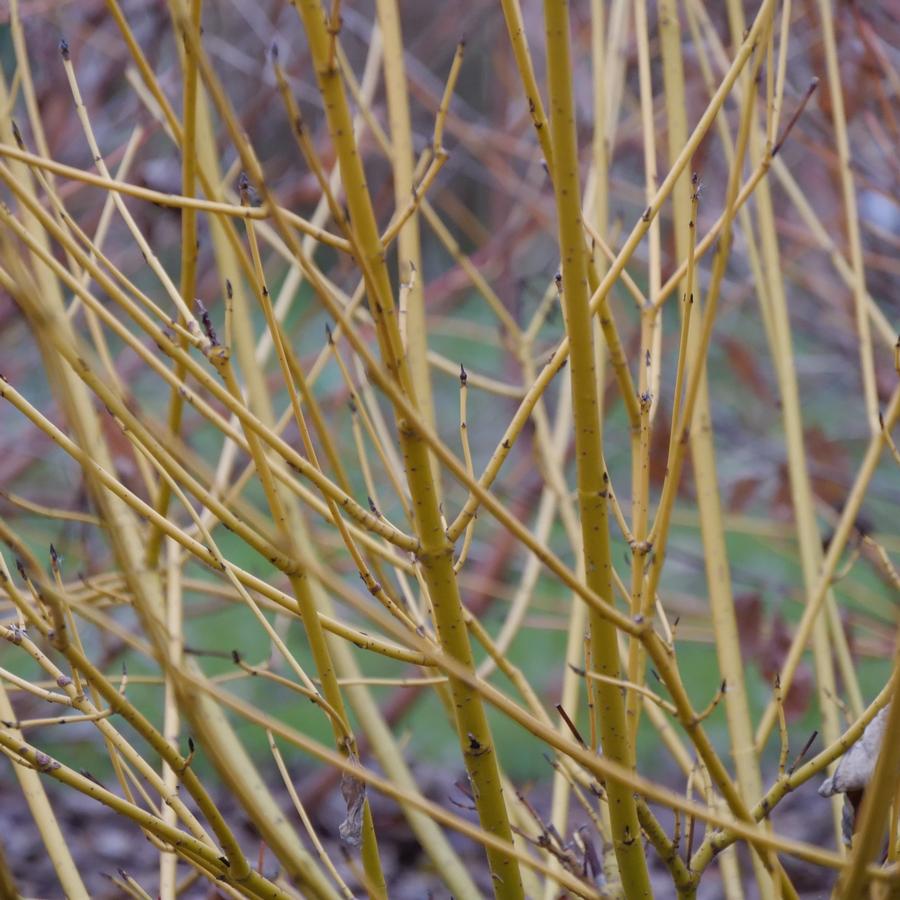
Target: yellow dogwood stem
593	481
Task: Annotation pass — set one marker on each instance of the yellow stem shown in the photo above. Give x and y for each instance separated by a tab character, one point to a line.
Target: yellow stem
608	704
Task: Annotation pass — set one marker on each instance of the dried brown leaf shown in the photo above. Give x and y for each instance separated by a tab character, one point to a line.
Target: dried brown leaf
353	790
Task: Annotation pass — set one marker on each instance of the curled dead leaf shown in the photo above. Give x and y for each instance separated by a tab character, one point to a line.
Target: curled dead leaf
353	790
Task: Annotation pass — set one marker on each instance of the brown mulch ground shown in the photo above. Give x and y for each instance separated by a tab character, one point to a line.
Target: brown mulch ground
102	844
